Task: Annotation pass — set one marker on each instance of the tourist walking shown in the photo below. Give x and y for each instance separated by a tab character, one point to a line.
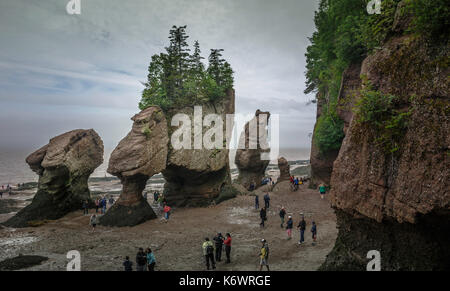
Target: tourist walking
85	207
322	191
208	253
155	197
166	210
264	256
263	216
141	260
97	205
127	264
289	226
282	216
314	233
93	222
151	260
104	205
267	201
1	194
256	202
227	244
302	227
218	240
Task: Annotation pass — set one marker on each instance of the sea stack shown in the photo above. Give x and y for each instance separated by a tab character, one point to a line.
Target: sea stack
64	166
285	173
199	177
139	156
248	160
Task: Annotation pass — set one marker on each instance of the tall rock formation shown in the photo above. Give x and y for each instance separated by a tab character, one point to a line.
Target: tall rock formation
64	166
248	160
139	156
198	177
398	202
285	174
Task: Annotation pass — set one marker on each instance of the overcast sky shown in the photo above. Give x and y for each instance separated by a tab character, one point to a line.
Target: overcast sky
59	72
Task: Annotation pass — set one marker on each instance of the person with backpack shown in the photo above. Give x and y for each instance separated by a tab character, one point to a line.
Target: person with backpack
289	226
263	216
227	244
208	252
218	240
267	201
151	260
302	227
282	216
256	202
141	260
127	264
314	233
264	255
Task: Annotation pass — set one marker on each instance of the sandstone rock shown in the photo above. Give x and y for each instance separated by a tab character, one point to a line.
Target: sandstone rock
251	167
285	174
198	177
398	203
139	156
64	167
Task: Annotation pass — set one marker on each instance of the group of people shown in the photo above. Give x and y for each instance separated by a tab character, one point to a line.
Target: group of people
144	261
7	190
212	250
301	226
295	183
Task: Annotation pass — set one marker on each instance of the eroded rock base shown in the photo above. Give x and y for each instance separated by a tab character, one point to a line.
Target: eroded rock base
403	247
122	215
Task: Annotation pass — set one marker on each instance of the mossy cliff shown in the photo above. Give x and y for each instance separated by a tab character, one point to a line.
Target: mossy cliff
390	180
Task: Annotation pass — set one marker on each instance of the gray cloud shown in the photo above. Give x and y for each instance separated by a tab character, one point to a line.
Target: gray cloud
59	72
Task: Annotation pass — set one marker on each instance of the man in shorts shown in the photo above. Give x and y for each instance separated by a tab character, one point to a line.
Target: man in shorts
264	256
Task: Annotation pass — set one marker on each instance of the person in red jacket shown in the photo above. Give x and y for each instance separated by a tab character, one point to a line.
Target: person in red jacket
166	211
227	244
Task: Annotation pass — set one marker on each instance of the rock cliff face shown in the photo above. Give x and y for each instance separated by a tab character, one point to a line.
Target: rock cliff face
198	177
64	166
139	156
251	168
321	163
285	174
398	203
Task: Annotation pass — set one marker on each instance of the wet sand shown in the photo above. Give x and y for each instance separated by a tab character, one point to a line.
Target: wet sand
177	243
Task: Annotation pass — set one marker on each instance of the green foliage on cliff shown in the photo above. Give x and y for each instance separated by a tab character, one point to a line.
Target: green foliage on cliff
329	133
177	78
378	112
431	18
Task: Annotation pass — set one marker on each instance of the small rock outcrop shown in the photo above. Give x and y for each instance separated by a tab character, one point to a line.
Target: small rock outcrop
248	160
285	173
139	156
64	166
199	177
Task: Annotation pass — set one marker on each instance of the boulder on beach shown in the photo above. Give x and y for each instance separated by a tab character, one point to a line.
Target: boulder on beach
139	156
248	160
64	166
